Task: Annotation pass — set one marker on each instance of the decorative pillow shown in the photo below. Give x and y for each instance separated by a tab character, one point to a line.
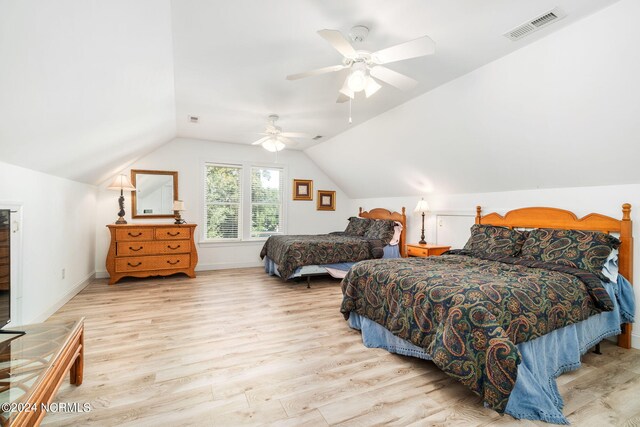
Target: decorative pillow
586	250
492	240
357	226
382	229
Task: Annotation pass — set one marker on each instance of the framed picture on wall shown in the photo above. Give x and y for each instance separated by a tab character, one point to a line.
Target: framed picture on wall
326	200
302	189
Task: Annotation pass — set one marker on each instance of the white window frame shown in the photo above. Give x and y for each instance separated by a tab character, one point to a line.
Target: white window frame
245	206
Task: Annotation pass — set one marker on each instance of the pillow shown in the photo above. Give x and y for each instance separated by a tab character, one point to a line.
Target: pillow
586	250
357	226
382	229
492	240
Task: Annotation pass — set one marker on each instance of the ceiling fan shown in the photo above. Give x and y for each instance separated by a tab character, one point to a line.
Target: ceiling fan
367	67
274	139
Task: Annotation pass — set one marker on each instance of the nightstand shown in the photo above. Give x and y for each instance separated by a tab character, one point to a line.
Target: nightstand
418	250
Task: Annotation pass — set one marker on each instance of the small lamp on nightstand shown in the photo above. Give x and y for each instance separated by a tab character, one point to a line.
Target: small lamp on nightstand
121	182
178	206
423	208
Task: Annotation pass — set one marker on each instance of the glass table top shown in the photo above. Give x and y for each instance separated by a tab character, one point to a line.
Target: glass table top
23	359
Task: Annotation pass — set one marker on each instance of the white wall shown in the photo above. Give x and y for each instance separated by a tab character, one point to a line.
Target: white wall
187	156
86	85
606	200
557	113
58	231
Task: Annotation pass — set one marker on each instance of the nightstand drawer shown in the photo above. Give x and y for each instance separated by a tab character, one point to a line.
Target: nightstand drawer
413	251
417	250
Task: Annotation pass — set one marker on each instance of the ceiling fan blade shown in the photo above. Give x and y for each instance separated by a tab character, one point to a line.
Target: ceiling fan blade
342	98
412	49
260	141
316	72
393	78
339	42
295	135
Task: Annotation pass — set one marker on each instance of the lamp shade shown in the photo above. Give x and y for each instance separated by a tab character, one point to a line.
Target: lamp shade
178	205
422	206
121	182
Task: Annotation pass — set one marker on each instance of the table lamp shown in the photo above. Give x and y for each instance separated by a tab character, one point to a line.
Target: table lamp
178	206
121	182
422	207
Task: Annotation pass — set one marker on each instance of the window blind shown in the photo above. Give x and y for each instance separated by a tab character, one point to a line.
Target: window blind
267	188
223	184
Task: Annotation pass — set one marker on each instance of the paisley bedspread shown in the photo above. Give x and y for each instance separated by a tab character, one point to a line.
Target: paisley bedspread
468	313
291	252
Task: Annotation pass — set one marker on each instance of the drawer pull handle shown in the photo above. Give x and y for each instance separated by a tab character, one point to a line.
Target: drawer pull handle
137	265
134	235
135	249
173	248
173	234
173	263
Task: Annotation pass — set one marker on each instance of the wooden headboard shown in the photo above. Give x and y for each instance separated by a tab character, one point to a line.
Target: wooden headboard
380	213
566	220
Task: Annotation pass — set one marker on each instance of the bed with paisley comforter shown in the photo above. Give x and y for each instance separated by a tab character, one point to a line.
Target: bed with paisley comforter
375	234
471	311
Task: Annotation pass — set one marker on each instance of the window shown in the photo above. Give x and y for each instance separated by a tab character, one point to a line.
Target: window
243	202
223	185
266	202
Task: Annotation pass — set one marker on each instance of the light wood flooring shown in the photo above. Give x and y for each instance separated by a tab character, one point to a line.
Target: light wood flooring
237	347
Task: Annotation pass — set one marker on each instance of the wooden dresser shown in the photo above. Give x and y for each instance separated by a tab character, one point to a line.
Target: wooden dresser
143	250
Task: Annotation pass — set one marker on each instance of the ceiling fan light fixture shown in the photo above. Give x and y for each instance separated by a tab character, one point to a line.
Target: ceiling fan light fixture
273	145
357	80
371	87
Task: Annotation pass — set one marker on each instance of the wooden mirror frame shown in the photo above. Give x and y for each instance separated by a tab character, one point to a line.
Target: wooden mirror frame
134	207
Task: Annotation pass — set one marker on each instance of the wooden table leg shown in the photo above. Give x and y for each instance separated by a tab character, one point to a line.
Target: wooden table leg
76	372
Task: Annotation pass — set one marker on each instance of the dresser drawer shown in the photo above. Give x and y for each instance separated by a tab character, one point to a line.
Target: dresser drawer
132	234
177	233
146	263
153	248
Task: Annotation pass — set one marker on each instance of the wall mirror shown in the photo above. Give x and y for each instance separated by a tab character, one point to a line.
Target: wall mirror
155	193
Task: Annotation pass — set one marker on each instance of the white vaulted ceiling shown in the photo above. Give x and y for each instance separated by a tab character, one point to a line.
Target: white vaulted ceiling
231	57
87	85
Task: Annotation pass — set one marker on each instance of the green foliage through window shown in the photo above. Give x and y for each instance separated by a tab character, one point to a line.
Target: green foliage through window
224	201
266	202
223	198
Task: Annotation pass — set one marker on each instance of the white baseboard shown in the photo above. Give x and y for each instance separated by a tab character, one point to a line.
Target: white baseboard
102	275
635	340
64	299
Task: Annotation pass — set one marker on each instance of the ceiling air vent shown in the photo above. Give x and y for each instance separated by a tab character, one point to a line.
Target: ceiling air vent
317	137
193	119
535	24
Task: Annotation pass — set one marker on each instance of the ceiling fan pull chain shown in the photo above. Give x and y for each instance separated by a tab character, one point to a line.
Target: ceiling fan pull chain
350	120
